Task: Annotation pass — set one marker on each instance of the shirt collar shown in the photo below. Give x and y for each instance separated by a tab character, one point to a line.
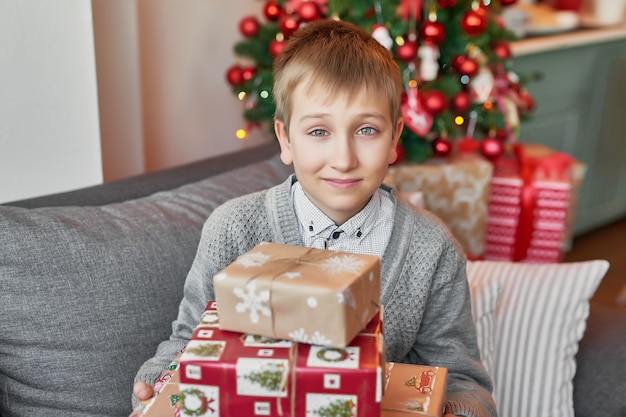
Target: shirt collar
315	223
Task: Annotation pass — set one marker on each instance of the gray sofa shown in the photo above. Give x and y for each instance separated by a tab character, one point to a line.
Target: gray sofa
90	282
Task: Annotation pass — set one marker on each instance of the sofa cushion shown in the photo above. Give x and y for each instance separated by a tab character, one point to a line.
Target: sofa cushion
540	320
89	292
485	296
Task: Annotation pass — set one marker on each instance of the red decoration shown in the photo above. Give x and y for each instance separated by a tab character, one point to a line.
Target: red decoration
399	154
501	49
474	22
249	26
466	66
247	73
434	102
407	52
276	47
308	11
411	8
461	102
442	147
528	102
288	25
272	11
468	145
444	4
491	148
507	2
234	75
433	32
415	115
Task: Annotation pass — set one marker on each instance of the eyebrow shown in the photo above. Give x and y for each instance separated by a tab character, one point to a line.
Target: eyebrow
361	115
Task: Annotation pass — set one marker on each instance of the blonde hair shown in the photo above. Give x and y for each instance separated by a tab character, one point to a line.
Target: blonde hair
336	57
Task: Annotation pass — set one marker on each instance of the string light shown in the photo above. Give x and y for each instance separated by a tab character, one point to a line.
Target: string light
241	134
459	120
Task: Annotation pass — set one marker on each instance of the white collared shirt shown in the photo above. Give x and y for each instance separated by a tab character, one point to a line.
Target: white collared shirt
366	233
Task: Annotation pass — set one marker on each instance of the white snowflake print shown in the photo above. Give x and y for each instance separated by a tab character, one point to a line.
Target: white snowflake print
292	275
298	335
319	339
221	276
253	302
343	263
249	260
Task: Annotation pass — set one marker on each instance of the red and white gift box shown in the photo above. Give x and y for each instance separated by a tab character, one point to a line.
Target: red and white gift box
530	210
231	373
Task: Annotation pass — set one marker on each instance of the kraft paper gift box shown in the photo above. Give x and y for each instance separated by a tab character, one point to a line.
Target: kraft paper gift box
302	294
414	390
531	211
455	189
235	374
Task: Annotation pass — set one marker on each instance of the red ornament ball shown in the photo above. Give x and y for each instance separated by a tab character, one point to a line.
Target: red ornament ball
491	148
502	49
249	26
276	47
442	147
527	101
465	65
407	52
446	4
433	32
248	73
234	75
507	2
308	11
272	11
288	25
461	102
434	102
474	22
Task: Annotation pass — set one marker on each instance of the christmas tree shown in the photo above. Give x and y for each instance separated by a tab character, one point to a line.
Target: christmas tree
461	90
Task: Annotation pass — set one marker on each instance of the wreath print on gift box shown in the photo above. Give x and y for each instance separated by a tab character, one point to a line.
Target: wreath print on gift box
194	402
329	357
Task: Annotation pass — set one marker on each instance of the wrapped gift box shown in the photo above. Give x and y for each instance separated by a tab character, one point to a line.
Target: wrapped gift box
531	210
455	189
166	401
414	390
231	373
302	294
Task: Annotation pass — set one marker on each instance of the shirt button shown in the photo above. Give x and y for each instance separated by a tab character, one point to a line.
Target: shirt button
336	235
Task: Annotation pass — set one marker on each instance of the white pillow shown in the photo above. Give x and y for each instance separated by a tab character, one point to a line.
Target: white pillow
485	296
540	319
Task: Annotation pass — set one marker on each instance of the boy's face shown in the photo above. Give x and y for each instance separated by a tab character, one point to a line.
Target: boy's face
340	149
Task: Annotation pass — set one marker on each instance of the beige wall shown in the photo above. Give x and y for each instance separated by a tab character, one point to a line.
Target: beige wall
161	65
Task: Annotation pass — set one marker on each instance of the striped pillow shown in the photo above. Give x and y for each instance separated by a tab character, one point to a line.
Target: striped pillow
485	298
540	319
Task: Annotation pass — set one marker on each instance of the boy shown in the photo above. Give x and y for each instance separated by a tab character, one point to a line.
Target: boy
337	94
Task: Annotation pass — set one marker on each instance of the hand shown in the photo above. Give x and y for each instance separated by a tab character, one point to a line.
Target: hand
143	391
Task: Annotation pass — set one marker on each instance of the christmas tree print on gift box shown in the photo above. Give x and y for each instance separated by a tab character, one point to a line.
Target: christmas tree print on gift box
224	373
302	294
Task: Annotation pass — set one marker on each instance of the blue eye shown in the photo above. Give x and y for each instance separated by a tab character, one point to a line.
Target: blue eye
367	131
318	132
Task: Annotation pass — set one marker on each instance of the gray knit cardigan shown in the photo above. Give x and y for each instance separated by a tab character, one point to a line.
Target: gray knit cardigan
424	290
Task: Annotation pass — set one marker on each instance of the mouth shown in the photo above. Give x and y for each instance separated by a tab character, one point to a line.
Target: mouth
341	183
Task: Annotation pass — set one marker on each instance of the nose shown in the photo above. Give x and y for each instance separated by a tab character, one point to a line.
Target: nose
343	154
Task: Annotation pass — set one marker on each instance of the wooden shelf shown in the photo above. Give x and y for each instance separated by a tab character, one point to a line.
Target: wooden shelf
580	37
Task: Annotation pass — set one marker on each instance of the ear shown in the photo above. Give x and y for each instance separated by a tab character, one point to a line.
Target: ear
393	153
283	140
